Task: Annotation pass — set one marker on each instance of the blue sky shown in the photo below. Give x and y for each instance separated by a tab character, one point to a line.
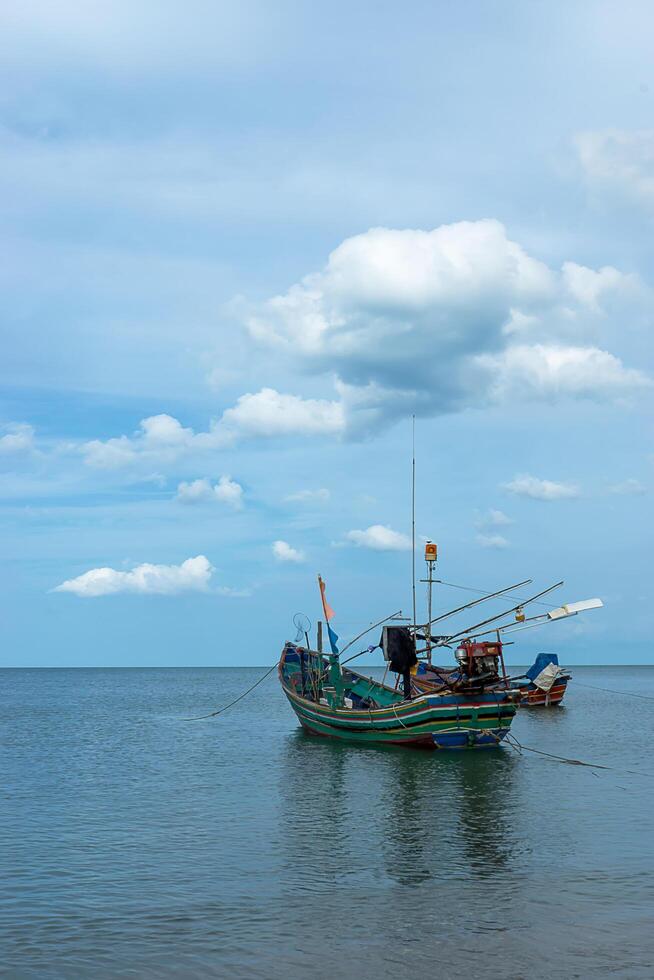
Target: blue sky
242	244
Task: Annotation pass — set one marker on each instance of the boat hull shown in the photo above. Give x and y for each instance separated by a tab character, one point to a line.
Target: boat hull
532	696
432	721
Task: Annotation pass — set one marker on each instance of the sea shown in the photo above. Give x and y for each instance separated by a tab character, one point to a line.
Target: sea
137	843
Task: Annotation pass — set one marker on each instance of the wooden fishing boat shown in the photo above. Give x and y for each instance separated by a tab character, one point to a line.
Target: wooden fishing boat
471	705
544	684
336	702
467	706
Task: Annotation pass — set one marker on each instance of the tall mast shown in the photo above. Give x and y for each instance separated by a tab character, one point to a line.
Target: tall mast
413	519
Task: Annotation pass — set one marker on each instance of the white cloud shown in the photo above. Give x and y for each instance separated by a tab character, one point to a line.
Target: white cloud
551	372
587	286
380	537
407	321
309	496
226	491
193	575
492	541
531	486
427	321
18	438
270	413
630	487
388	292
619	158
161	440
230	492
196	492
283	552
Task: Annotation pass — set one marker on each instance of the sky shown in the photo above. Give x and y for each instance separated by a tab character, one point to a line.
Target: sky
243	244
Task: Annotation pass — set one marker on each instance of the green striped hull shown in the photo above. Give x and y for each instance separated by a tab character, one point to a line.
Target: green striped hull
426	721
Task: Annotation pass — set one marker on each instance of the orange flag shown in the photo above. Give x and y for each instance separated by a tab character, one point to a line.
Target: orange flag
329	612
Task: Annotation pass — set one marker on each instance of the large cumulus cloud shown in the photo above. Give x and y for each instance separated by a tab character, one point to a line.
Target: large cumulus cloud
438	321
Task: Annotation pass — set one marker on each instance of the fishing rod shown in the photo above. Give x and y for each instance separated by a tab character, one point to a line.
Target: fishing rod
468	631
469	605
562	612
518	626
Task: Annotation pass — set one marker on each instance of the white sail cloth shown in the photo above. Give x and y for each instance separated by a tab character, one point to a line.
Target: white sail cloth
547	677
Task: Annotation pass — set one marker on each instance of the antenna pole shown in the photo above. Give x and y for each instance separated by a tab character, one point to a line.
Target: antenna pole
429	614
413	518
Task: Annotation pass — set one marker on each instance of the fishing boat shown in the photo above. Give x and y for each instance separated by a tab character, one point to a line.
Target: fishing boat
544	684
470	705
343	704
332	700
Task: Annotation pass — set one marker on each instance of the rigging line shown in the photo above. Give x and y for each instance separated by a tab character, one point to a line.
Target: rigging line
236	700
469	605
468	633
367	630
468	588
608	690
575	762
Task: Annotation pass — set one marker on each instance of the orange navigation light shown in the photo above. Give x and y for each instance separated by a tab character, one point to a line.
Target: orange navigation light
431	551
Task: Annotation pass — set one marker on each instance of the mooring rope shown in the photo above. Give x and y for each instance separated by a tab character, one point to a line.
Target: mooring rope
518	746
608	690
213	714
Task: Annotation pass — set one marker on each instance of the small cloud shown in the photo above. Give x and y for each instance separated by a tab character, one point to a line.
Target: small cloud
226	491
283	552
230	492
492	541
532	486
196	492
193	575
379	537
18	438
620	159
492	518
629	487
307	496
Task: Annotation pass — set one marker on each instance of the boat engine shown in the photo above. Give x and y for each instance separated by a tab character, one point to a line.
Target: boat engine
479	660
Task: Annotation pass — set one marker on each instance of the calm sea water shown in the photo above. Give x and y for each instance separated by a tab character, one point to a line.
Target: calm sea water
137	844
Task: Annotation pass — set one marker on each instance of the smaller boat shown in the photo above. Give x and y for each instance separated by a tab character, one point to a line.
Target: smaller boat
544	684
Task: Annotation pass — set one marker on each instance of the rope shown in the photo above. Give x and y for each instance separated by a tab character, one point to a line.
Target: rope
608	690
397	716
513	741
508	596
235	701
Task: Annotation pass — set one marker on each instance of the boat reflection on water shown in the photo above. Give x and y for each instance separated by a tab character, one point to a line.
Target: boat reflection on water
371	813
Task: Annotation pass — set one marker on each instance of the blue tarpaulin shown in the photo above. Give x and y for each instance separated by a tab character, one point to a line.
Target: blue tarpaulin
541	661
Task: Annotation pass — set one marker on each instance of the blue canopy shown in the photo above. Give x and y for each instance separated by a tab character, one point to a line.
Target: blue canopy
541	661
